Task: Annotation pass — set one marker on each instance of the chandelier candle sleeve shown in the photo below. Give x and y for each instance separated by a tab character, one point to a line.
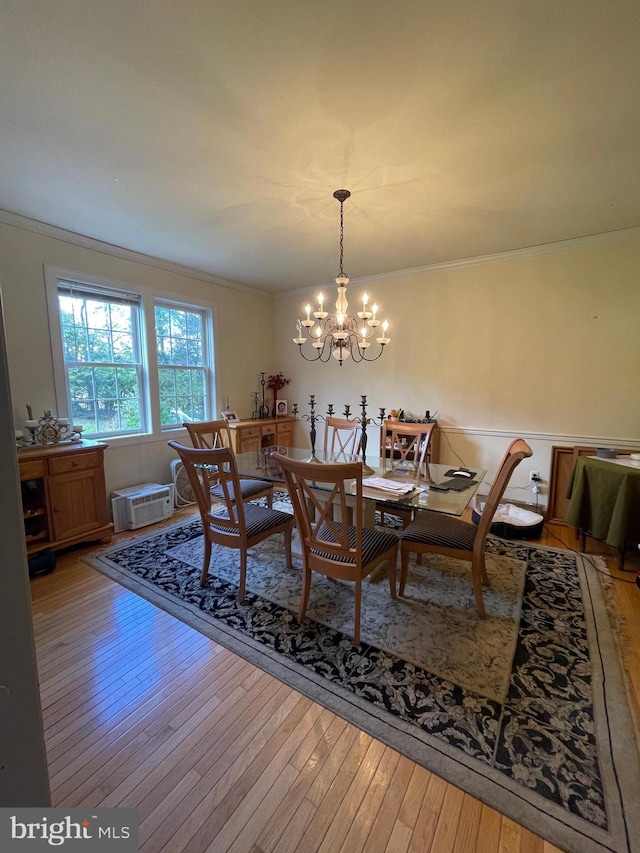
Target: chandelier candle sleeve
341	335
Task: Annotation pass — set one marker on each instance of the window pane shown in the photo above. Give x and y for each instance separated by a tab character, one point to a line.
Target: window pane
180	336
100	334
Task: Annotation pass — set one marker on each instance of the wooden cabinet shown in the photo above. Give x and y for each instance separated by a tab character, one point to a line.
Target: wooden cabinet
252	435
63	495
433	452
563	462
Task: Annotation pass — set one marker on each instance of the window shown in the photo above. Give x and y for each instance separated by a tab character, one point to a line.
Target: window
182	377
103	367
113	377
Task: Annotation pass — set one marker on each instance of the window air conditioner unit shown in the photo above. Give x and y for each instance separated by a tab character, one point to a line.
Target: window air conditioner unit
137	506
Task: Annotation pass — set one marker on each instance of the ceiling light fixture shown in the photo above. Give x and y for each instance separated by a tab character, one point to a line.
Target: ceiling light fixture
341	335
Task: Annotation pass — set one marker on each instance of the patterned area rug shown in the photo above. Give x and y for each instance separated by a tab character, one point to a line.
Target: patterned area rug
525	710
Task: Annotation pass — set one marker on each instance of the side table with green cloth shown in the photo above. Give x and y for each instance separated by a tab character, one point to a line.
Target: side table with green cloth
605	502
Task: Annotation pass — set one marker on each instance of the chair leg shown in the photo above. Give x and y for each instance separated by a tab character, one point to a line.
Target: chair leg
476	577
392	575
243	574
356	629
304	600
404	553
270	499
206	560
287	547
483	571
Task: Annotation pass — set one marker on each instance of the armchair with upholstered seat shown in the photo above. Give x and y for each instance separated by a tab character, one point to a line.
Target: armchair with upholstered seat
322	494
213	434
437	533
237	524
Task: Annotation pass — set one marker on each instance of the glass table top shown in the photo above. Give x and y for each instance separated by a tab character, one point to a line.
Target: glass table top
261	464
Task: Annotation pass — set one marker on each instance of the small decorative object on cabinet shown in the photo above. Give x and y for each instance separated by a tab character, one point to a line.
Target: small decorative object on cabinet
252	435
63	495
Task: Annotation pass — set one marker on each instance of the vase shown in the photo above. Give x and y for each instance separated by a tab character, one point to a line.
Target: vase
275	403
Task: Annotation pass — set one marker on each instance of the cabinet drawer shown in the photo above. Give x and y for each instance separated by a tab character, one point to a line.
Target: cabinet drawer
32	470
76	462
283	429
248	432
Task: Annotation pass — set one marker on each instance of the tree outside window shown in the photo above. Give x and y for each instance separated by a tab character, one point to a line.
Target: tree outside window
182	371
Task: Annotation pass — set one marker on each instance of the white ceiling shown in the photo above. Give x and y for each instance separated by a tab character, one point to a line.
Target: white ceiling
213	133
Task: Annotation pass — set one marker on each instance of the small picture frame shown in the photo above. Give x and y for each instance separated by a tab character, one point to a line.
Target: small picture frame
281	408
229	416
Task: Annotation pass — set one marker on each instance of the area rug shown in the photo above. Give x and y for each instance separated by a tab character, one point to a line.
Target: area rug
525	710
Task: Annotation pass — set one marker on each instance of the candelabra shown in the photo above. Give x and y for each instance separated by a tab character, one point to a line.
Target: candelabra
263	412
312	418
364	421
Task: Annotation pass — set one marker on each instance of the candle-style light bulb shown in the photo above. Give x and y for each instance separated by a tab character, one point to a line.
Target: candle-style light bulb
365	299
307	308
374	308
385	326
321	300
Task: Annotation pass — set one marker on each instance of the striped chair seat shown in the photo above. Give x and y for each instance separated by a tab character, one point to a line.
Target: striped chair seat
247	487
434	528
374	543
258	520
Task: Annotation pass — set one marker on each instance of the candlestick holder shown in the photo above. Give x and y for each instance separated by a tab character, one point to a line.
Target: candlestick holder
364	420
263	411
312	418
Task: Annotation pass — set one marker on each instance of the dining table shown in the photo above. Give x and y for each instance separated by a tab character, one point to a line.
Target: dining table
425	483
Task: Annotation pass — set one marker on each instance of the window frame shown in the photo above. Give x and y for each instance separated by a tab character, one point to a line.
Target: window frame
149	298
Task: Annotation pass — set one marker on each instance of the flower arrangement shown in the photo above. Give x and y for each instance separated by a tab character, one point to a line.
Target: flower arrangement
396	414
275	383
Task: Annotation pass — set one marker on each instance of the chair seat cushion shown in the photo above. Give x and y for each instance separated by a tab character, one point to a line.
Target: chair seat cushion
258	520
247	487
435	528
374	543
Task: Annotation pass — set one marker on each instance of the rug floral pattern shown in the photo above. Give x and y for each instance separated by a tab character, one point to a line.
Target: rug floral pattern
523	708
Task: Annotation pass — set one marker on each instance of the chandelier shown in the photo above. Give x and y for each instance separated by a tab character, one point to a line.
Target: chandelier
340	334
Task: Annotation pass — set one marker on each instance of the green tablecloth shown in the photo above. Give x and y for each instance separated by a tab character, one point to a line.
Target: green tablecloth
605	501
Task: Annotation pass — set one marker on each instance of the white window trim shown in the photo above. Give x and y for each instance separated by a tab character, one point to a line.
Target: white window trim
149	297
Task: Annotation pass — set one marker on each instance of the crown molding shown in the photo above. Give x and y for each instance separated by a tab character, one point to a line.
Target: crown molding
512	254
56	233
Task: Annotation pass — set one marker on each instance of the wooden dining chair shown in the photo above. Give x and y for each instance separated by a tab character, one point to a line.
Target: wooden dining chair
213	434
334	548
239	525
342	436
407	445
437	533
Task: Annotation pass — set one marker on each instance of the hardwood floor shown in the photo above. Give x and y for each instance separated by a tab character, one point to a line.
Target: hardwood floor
142	711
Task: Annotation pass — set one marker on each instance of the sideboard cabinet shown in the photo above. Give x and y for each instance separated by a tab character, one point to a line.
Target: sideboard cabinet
63	495
252	435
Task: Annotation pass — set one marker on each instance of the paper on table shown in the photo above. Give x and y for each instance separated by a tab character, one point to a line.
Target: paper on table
388	485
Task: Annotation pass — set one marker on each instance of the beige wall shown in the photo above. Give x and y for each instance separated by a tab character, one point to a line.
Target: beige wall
238	316
546	346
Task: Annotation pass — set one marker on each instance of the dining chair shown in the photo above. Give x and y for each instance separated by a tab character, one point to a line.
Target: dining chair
342	436
213	434
336	549
407	445
437	533
238	525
